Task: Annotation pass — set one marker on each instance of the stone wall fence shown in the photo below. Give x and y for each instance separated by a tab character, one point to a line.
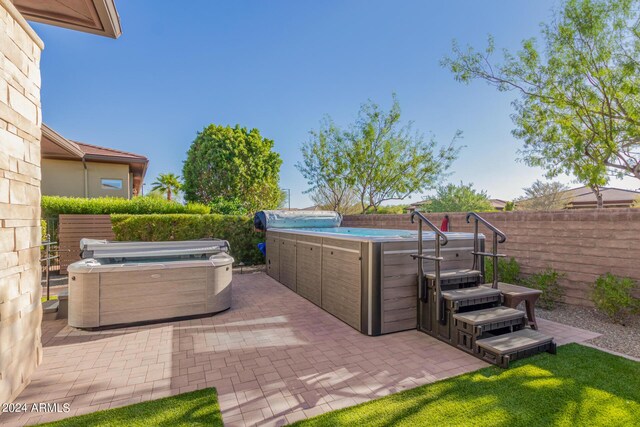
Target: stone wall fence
20	120
581	244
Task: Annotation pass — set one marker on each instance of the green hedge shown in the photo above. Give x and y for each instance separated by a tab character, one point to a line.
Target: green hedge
52	206
238	230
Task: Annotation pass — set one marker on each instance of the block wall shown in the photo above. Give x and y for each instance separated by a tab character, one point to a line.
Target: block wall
583	244
20	120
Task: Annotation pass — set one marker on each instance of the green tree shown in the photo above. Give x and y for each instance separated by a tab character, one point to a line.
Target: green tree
167	184
377	157
326	169
579	106
232	163
459	198
544	196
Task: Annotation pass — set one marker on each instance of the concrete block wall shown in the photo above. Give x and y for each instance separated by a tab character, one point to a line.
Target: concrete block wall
20	120
583	244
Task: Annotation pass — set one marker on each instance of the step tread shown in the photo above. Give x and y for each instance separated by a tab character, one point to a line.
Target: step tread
450	274
50	306
488	315
467	293
514	341
508	288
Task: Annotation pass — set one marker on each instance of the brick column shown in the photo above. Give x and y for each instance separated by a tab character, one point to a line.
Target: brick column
20	120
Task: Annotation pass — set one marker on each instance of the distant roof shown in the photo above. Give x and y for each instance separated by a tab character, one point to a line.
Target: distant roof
584	195
55	146
498	203
95	150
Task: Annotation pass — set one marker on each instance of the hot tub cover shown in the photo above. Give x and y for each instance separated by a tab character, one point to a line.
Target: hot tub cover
91	248
265	220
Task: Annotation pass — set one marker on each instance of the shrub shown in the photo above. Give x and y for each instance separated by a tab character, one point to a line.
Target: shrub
612	296
508	270
388	210
223	206
238	230
53	206
547	282
43	230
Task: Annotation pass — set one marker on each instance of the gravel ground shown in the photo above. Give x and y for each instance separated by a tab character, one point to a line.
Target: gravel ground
622	339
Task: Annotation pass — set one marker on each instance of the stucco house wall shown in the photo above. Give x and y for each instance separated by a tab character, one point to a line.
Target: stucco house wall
20	120
67	178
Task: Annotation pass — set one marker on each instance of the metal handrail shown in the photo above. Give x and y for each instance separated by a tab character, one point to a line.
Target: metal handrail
431	226
422	291
503	237
47	259
476	243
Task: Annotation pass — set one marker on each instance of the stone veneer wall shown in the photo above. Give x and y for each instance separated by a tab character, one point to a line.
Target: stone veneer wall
20	120
583	244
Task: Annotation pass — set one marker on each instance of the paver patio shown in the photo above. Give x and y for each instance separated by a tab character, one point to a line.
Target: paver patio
274	358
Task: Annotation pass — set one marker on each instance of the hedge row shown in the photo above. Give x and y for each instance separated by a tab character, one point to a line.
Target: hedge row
52	206
238	230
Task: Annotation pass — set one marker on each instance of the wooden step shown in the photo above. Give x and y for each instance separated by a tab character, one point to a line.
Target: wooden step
453	274
501	349
489	315
508	288
469	293
50	309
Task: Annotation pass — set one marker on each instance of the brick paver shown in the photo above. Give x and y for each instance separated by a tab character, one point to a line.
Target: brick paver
274	358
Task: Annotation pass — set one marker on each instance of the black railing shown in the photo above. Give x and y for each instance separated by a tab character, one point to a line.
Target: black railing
436	258
48	257
498	237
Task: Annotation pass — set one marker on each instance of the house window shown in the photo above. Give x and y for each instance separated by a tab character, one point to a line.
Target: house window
111	184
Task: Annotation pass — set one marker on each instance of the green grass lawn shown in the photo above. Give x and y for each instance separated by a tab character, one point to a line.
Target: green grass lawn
198	408
578	386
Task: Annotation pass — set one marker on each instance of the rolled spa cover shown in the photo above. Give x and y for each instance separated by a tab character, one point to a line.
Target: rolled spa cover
265	220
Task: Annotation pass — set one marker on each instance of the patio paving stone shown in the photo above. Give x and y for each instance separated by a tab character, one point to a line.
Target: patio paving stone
274	358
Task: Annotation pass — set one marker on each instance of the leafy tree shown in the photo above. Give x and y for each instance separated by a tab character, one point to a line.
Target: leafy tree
377	157
326	168
579	106
227	206
232	163
544	196
167	183
344	202
459	198
509	206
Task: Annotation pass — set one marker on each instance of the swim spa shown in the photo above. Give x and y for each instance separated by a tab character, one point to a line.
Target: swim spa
121	283
363	276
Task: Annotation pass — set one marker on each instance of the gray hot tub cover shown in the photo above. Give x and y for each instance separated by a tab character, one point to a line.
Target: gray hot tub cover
265	220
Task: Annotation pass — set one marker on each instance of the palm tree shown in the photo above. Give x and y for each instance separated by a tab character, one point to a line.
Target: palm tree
168	183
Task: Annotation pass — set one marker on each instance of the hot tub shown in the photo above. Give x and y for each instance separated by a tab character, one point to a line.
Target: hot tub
124	283
363	276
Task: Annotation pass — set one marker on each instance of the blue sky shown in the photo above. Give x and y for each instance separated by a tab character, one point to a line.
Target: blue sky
280	66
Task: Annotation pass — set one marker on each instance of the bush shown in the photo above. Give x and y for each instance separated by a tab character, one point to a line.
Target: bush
52	206
43	230
508	270
388	210
547	282
612	296
223	206
238	230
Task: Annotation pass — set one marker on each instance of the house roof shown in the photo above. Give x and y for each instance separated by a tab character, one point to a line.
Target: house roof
89	16
55	146
585	196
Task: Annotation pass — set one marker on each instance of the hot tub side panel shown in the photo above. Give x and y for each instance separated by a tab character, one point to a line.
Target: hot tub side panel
143	295
309	268
399	278
218	289
84	300
287	258
273	252
342	280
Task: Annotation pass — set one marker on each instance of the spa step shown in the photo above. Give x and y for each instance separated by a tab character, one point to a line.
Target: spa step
502	349
50	309
490	319
472	296
453	274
